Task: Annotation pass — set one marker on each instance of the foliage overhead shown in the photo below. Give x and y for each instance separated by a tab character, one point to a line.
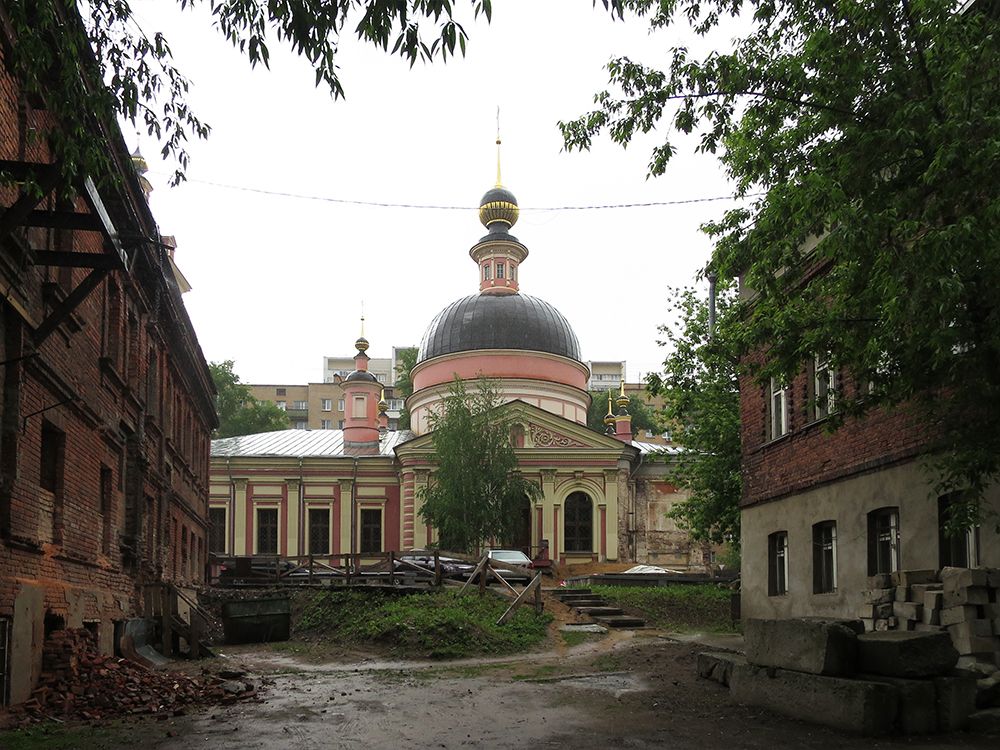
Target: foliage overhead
406	359
144	88
239	412
701	390
643	415
872	129
476	493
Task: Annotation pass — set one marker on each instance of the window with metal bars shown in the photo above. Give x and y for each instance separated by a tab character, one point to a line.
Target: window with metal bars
371	531
883	541
578	523
777	563
825	557
267	531
217	531
319	531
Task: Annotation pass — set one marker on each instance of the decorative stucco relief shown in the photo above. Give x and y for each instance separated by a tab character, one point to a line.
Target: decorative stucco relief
545	438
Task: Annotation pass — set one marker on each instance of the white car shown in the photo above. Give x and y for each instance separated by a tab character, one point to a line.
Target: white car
512	557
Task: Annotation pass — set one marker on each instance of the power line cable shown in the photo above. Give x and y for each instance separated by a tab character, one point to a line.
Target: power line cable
381	204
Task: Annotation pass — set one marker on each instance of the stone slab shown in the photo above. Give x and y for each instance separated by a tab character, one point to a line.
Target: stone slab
817	646
861	706
879	596
986	721
969	637
718	665
917	712
901	653
880	581
988	692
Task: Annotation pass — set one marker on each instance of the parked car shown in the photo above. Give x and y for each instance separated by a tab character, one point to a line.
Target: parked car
512	557
241	568
450	567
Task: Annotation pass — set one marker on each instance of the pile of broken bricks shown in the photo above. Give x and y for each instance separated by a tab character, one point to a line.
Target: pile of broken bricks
832	672
77	682
964	601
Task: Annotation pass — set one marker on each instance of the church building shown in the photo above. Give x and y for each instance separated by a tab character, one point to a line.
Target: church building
604	497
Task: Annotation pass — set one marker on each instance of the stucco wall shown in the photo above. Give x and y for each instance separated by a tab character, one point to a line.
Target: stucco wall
847	502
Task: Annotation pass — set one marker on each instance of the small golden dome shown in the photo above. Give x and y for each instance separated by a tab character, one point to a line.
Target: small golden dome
361	344
499	204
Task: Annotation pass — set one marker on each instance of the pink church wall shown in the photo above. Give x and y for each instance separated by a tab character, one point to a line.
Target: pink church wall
499	365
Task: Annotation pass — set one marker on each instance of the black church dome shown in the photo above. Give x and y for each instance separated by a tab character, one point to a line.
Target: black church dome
499	321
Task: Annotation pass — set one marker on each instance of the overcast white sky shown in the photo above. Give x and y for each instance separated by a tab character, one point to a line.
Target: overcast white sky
279	281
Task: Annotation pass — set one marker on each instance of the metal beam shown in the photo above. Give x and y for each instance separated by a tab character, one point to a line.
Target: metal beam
24	206
110	232
63	220
75	260
68	305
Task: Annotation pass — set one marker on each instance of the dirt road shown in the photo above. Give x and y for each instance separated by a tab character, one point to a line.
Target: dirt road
624	691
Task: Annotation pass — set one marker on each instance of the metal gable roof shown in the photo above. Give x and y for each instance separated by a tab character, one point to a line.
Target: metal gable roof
298	444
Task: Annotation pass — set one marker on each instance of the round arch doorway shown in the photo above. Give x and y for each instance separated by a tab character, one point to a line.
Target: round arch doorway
578	523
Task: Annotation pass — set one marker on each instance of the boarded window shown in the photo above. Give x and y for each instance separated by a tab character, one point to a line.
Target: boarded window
358	407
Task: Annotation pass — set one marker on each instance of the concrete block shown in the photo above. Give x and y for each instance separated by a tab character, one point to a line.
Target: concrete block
969	595
993	577
933	600
953	579
907	610
902	593
931	616
926	627
910	577
986	721
906	654
919	590
917	713
975	666
880	581
889	623
869	624
956	699
718	665
849	705
955	615
879	596
875	611
991	611
988	692
973	637
805	645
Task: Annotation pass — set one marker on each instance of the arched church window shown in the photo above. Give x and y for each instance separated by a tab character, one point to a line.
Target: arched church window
579	523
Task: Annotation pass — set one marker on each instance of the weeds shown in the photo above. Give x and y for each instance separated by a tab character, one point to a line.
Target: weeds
681	608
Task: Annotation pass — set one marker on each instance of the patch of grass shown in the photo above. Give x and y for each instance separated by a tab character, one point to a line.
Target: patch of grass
54	736
538	672
681	607
439	625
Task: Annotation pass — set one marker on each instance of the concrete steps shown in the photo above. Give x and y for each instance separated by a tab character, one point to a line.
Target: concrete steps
584	602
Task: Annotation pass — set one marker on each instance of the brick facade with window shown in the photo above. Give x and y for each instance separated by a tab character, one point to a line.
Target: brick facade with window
105	411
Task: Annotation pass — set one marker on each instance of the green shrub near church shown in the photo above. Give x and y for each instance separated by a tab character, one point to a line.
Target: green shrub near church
438	625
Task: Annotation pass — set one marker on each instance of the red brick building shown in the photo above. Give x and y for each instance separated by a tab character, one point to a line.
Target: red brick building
106	402
822	511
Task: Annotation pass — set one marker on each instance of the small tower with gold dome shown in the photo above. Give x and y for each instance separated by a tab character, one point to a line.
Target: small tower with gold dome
623	420
499	254
361	398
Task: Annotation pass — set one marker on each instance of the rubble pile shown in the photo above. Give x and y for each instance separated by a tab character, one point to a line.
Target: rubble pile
963	601
78	682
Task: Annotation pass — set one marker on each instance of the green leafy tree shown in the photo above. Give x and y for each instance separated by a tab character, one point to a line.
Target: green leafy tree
239	412
144	88
406	360
701	390
863	136
643	417
476	493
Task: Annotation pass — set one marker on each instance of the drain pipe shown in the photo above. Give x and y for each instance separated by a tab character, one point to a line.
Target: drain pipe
354	513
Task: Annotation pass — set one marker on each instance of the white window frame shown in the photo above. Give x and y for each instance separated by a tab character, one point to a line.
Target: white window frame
778	409
501	271
326	424
326	404
824	386
487	272
340	405
300	405
283	405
